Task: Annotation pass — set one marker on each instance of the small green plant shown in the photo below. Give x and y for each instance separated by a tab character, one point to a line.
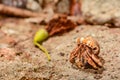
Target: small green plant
39	37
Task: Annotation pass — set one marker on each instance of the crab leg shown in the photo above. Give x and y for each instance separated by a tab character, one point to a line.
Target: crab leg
83	60
90	61
74	54
79	61
96	59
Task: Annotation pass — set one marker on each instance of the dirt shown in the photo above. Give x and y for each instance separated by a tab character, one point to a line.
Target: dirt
21	60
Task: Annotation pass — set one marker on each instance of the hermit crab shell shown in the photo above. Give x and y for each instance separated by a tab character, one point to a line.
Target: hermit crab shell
91	42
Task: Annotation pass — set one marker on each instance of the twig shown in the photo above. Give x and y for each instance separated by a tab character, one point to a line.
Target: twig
13	11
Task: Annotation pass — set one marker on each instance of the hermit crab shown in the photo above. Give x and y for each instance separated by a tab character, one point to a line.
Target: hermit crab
86	53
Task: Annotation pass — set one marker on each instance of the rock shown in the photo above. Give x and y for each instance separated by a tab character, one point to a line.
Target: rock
63	6
34	6
15	3
7	53
101	11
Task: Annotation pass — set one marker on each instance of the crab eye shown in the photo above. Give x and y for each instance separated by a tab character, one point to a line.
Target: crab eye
94	48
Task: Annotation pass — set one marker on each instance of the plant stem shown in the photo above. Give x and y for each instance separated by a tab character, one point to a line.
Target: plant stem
44	50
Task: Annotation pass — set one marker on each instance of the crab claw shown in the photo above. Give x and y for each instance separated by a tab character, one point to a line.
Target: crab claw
90	61
95	59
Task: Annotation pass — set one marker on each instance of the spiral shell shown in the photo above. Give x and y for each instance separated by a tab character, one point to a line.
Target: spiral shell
92	43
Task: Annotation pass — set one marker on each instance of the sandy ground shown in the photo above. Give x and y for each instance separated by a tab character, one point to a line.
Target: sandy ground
23	61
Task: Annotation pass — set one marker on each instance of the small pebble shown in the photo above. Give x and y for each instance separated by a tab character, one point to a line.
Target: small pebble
62	54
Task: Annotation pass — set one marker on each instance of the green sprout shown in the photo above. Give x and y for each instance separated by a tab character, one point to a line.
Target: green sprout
39	37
